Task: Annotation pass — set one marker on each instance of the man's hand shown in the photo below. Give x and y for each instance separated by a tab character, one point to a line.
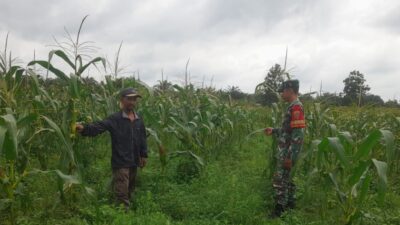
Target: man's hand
79	127
268	131
143	162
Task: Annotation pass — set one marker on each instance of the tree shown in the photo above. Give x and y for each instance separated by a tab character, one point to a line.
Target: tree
163	86
235	92
354	87
267	91
331	99
371	99
392	103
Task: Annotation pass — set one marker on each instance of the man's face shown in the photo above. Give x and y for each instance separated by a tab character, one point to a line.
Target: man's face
129	103
287	94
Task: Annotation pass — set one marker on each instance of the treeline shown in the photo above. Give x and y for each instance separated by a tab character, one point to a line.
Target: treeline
355	92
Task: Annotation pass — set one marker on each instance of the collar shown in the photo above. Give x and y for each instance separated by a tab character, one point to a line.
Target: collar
124	115
294	102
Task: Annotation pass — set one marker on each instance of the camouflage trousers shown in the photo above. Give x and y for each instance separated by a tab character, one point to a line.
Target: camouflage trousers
283	184
123	184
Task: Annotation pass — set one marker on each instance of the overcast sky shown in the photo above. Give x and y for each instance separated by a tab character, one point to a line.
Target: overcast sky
228	42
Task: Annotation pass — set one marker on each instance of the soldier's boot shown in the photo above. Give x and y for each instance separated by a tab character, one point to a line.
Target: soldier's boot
278	211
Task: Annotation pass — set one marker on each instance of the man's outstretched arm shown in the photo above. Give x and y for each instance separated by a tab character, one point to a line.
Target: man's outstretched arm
95	128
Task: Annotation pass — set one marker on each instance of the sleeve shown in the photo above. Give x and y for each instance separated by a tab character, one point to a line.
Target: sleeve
276	131
297	123
143	144
297	117
97	128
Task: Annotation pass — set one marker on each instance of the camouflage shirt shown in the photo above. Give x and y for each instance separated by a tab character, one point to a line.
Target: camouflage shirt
291	134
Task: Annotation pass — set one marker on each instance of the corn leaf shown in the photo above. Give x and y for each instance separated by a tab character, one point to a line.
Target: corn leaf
10	145
335	144
388	141
381	168
364	183
62	55
83	68
26	120
51	68
3	131
68	179
367	144
61	136
358	171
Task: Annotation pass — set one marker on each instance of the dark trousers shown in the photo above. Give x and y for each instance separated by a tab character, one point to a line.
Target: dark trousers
123	184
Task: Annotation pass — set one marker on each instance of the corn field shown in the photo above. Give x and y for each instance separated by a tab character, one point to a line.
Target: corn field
348	166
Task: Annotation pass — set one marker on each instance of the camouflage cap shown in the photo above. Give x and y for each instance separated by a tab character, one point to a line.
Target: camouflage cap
294	84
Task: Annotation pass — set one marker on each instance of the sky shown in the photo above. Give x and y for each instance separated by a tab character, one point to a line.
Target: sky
229	43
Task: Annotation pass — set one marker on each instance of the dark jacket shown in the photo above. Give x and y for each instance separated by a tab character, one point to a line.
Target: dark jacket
128	139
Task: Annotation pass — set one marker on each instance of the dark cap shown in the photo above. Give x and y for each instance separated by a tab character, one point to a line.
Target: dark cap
294	84
129	92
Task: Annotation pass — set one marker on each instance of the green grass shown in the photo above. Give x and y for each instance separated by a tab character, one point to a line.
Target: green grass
230	190
233	188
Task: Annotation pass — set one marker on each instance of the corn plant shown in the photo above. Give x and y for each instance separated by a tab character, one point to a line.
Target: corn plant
72	97
347	166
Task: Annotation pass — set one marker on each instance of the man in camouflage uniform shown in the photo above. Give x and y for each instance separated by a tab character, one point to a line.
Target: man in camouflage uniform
290	140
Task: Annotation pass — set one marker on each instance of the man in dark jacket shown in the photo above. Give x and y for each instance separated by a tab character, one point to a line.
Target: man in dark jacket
128	141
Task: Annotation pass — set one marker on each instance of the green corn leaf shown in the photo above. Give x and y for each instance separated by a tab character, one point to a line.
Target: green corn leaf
323	145
11	72
333	129
367	144
35	81
388	141
364	184
38	102
68	179
154	135
347	140
337	147
179	88
79	62
61	136
110	84
90	191
51	68
73	86
38	90
381	168
198	159
83	68
357	172
62	55
347	136
186	129
27	120
3	131
341	195
10	145
18	78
